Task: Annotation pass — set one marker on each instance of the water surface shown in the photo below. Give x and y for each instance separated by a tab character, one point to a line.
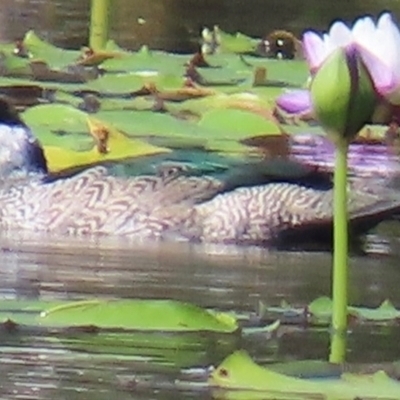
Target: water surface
225	278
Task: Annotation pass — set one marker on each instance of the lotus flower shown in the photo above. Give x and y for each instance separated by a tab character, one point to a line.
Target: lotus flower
377	45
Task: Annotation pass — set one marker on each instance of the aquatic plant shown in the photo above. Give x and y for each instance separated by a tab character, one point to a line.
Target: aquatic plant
377	45
99	24
352	71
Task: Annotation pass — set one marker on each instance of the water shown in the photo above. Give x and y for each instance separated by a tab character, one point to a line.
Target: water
226	278
175	24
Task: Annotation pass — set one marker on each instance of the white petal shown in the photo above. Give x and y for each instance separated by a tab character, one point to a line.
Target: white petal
314	49
364	33
388	31
339	35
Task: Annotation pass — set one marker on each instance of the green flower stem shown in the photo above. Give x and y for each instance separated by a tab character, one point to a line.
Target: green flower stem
99	24
340	255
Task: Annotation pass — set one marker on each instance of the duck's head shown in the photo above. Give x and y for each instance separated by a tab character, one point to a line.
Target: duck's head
20	151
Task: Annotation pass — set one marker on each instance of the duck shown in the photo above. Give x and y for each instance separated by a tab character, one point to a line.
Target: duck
247	208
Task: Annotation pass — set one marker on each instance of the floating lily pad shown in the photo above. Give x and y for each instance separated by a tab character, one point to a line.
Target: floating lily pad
319	312
163	333
225	76
147	60
241	378
238	124
241	100
130	83
69	142
237	43
165	315
52	55
168	131
154	125
281	73
11	65
116	84
290	72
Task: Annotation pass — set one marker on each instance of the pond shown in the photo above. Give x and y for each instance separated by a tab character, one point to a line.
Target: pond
217	277
175	24
35	267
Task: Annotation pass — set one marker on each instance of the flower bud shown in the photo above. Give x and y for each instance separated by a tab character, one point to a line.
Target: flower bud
343	94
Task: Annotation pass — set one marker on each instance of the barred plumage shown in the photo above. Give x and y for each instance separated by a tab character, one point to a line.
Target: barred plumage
156	207
168	205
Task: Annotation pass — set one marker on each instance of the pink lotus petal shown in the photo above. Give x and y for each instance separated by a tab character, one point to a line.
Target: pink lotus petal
295	102
314	49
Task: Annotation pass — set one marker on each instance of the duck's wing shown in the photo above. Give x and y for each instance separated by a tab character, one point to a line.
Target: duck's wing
94	202
369	204
279	211
275	170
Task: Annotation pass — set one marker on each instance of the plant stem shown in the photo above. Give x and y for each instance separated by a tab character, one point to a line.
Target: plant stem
99	24
340	255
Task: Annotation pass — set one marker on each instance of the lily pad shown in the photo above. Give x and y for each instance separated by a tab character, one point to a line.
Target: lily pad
236	43
247	100
319	312
70	140
238	124
384	313
133	82
281	73
11	65
147	60
241	378
148	315
52	55
119	332
321	309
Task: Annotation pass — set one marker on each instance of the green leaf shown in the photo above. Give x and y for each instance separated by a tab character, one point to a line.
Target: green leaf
241	378
237	43
384	313
267	330
173	349
249	100
145	60
167	131
52	55
69	141
321	308
239	124
15	66
148	315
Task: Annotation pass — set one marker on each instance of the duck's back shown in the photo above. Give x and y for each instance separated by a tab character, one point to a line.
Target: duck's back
178	206
94	202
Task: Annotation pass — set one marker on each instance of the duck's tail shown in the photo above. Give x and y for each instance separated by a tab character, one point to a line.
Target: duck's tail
370	203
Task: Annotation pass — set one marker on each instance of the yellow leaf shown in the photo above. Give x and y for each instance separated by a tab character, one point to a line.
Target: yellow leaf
111	145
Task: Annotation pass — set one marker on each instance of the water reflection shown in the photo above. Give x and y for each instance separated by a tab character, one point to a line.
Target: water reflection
224	277
228	278
175	24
